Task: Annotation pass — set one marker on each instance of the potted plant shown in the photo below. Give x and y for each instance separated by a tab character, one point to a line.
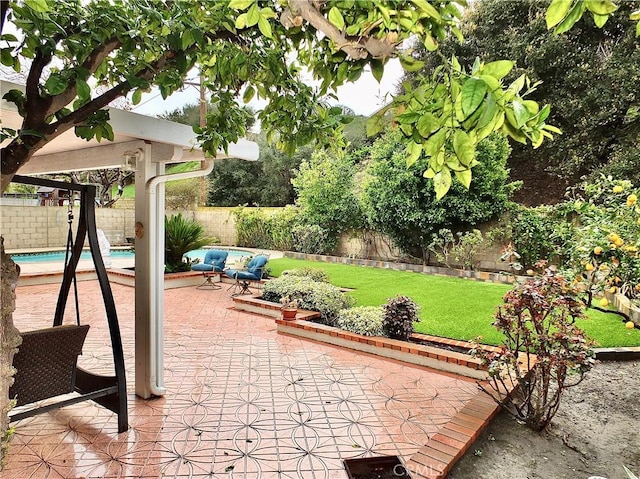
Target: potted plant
289	308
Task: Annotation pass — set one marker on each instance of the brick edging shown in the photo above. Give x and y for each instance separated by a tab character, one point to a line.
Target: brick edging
437	457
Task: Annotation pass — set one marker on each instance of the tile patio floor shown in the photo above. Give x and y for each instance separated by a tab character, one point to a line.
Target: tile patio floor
241	402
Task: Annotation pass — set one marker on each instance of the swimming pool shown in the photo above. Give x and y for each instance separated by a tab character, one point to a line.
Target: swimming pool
58	256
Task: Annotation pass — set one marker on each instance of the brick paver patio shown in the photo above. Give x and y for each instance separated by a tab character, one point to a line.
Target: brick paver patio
242	401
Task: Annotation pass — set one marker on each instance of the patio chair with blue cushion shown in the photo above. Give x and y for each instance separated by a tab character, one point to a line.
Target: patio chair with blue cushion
211	267
253	272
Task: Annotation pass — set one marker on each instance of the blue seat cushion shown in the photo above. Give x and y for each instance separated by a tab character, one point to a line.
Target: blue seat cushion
214	260
253	271
202	267
235	274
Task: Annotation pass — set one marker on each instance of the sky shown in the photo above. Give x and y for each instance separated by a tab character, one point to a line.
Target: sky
364	96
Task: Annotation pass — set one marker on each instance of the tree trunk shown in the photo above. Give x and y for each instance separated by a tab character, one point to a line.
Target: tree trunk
9	341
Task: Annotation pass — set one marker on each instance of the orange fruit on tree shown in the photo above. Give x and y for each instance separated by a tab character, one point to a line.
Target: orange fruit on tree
597	250
588	267
617	189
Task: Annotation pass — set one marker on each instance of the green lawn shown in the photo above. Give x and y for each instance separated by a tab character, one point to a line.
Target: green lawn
450	307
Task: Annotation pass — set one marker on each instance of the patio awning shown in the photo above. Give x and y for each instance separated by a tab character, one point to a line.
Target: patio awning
145	145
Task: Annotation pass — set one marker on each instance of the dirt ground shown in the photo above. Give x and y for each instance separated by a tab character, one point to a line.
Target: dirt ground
595	432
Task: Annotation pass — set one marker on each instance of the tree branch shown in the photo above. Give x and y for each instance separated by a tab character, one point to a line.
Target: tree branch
357	48
93	61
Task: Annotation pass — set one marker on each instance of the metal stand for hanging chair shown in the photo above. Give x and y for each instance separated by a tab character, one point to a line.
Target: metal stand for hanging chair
46	361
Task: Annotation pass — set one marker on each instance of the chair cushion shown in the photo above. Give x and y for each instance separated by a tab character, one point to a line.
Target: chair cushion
256	265
214	260
202	267
235	274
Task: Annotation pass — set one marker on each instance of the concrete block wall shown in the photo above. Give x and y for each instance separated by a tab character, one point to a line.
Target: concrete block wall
26	227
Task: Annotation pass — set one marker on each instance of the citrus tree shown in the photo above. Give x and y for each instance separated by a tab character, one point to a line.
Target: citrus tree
607	239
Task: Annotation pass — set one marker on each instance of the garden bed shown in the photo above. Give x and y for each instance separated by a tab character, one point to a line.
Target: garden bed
443	354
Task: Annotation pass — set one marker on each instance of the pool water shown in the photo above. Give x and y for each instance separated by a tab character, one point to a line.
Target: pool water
53	256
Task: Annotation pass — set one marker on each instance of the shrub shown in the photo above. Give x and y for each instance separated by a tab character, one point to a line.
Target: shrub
181	236
324	298
365	320
543	352
401	204
541	233
327	195
311	239
399	314
313	274
462	247
258	229
182	194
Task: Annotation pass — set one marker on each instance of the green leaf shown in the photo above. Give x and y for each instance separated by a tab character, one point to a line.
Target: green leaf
489	112
410	64
498	69
336	19
517	135
429	173
377	69
473	92
544	113
83	90
442	182
265	27
601	7
187	39
374	125
39	6
521	113
430	43
137	96
427	124
635	15
408	117
241	21
434	145
6	58
553	129
600	20
55	85
240	4
464	177
570	20
249	92
427	8
493	84
557	11
253	15
638	29
413	150
463	147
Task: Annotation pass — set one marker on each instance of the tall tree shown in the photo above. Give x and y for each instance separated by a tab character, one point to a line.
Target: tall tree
588	74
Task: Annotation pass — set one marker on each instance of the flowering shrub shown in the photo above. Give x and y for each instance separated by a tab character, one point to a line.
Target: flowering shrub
543	352
311	295
365	320
399	314
605	257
